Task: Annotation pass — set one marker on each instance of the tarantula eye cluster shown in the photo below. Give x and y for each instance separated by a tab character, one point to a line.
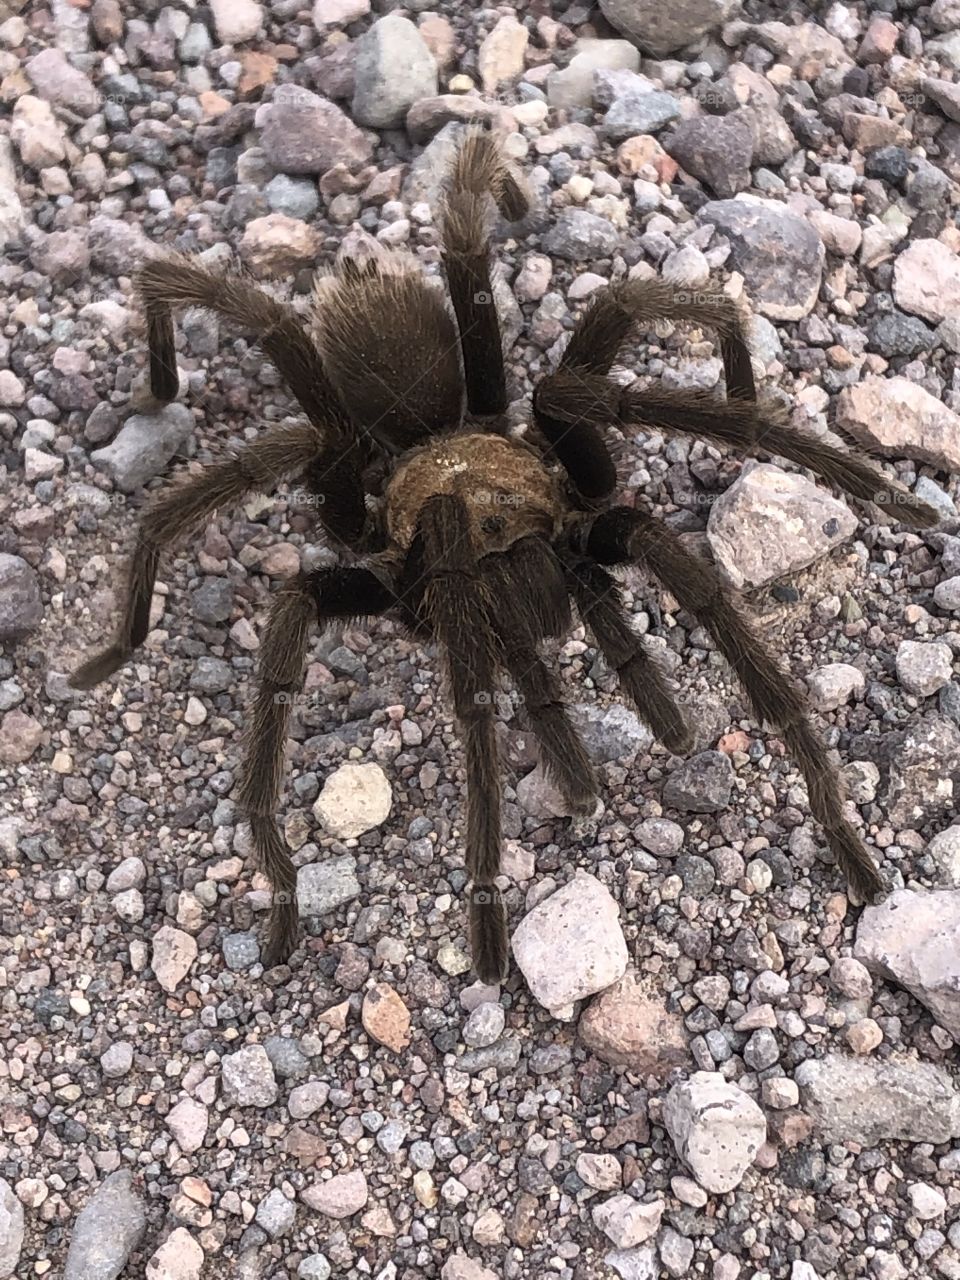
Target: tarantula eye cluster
483	543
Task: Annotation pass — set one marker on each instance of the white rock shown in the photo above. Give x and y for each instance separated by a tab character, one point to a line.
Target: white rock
236	20
571	945
178	1258
924	666
928	1202
946	594
248	1078
355	798
188	1121
338	13
944	849
340	1197
626	1221
36	134
911	938
716	1128
834	685
11	1230
926	280
573	86
173	953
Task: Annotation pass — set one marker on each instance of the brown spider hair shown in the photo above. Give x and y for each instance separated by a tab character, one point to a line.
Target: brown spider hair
481	540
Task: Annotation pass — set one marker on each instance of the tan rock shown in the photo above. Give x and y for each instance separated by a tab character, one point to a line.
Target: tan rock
501	54
386	1018
899	418
628	1026
277	245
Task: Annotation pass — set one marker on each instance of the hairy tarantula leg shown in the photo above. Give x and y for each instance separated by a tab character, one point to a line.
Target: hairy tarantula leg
305	599
625	534
568	408
599	600
178	281
564	755
180	509
765	427
457	603
573	405
479	173
605	325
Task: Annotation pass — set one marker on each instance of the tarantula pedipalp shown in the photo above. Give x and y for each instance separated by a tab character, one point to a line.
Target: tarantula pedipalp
483	542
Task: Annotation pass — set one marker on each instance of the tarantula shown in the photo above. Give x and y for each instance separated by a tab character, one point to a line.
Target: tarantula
481	542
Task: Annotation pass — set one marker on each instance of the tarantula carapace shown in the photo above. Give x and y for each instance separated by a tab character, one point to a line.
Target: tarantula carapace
482	541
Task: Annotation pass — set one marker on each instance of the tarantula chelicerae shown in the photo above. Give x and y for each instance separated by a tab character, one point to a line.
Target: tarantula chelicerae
481	544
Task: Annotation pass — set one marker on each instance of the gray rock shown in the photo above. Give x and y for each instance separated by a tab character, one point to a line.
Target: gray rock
639	113
304	133
923	771
503	1056
296	197
660	836
211	675
117	247
911	938
610	733
212	601
716	1128
773	140
660	30
240	951
58	81
287	1058
701	784
716	149
144	446
21	608
11	1229
324	886
115	1062
484	1025
946	595
394	68
634	1264
580	236
248	1079
316	1267
771	523
779	254
863	1100
108	1229
276	1214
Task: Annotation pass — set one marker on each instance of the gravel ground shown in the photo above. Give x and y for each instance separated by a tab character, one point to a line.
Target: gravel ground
732	1073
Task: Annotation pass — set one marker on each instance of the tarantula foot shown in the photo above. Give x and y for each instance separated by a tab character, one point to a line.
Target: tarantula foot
283	931
867	888
98	668
488	934
678	738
